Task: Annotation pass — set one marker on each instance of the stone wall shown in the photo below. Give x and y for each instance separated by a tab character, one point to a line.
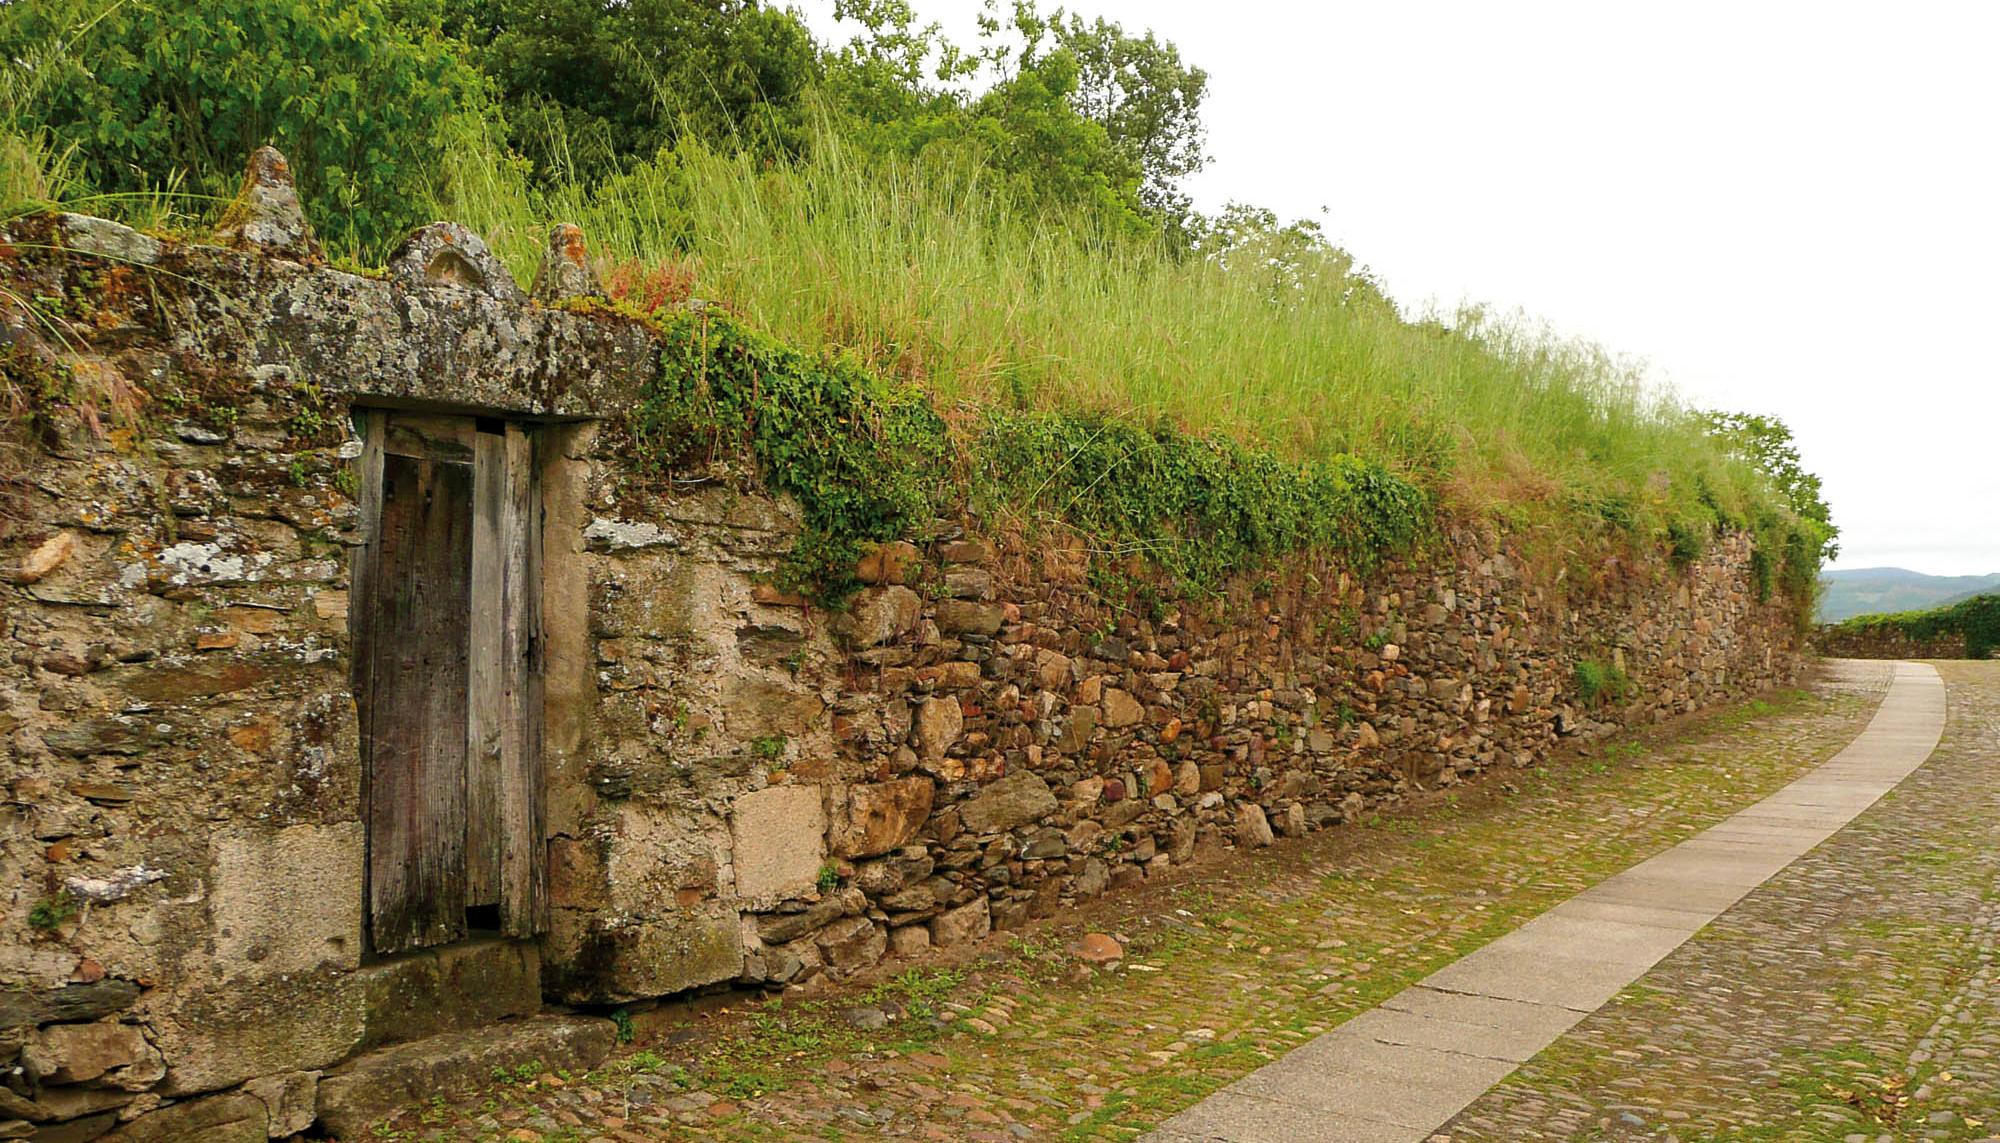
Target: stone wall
740	788
1842	641
982	738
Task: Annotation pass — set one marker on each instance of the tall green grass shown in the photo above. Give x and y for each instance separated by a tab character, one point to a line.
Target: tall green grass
930	274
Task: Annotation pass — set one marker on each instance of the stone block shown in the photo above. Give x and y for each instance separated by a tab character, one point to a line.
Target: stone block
779	841
1121	709
939	722
69	1004
461	985
755	706
1252	827
290	1099
888	563
456	1064
782	927
288	901
225	1033
108	1054
968	550
590	961
232	1117
910	940
63	1104
1019	799
965	923
877	615
76	1130
969	583
852	943
1077	731
966	617
1052	670
883	815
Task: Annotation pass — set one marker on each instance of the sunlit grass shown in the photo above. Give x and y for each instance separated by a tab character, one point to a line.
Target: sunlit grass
928	273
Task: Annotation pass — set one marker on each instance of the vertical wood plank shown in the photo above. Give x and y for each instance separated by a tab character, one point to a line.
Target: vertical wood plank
524	862
361	594
485	758
361	576
418	691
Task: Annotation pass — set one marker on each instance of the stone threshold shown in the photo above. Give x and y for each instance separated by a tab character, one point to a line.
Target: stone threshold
1399	1071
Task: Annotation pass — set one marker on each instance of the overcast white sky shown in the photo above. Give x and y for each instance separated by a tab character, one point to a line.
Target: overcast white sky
1783	208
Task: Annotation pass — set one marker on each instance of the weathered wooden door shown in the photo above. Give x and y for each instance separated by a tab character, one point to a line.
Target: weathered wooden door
447	674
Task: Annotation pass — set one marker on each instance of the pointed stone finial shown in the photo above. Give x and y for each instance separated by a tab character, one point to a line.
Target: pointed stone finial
446	254
565	270
266	216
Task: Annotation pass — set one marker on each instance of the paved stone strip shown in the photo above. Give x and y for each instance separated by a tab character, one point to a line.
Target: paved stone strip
1853	998
1401	1070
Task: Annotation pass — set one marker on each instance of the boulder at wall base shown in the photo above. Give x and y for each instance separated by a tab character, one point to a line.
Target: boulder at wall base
232	1117
853	943
455	1064
1019	799
965	923
1252	827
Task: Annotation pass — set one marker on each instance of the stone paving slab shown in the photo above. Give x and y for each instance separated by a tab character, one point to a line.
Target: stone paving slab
1368	1073
1515	1037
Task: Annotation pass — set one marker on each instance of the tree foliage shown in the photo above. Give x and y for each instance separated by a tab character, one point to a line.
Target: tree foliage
1766	442
163	94
1072	115
589	86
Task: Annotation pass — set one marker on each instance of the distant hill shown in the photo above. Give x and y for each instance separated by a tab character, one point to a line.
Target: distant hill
1864	591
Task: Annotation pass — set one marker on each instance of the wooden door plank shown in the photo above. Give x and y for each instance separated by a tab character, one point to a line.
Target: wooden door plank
361	574
431	437
418	691
361	594
524	900
485	761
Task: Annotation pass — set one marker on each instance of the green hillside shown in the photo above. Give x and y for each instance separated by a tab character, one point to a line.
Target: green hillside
1976	618
1849	592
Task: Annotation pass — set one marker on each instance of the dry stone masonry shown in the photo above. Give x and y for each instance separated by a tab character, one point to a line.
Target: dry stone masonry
730	787
1885	641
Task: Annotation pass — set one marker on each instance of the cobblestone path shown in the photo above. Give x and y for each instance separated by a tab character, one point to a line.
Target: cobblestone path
1225	969
1853	997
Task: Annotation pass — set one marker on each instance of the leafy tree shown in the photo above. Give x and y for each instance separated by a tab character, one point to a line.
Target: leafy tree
1766	442
1292	256
589	86
1146	99
1076	114
176	95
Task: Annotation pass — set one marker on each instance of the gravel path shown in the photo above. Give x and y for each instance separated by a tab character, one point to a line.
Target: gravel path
1852	997
1224	970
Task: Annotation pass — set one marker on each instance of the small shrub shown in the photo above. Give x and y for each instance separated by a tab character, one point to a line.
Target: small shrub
1685	543
1599	683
